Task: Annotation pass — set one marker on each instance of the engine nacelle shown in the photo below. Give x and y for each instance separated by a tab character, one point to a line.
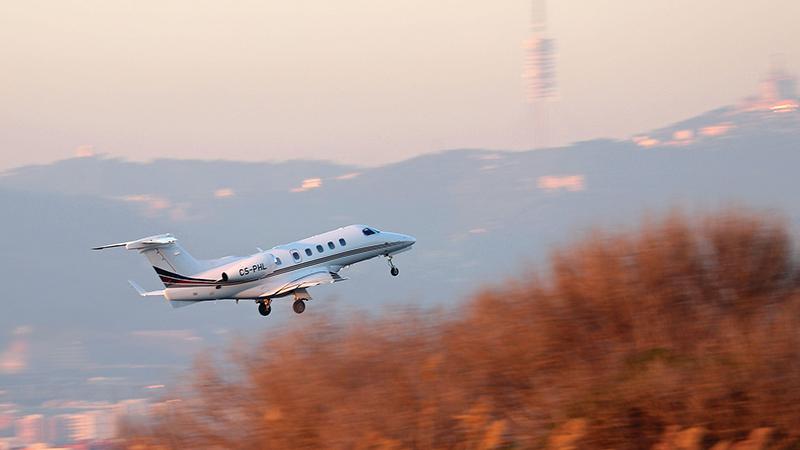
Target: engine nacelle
248	269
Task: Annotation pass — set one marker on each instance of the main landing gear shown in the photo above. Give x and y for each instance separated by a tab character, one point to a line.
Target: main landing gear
300	298
393	270
264	308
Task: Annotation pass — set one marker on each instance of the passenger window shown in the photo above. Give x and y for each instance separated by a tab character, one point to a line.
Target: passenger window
342	242
278	261
295	255
319	248
330	245
308	251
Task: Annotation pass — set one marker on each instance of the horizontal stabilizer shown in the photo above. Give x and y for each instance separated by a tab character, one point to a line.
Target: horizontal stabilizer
160	240
144	293
102	247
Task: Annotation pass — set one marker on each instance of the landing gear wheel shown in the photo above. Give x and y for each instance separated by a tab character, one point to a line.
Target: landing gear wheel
299	306
264	309
393	270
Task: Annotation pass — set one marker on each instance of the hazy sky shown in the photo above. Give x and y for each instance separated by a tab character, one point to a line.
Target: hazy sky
361	81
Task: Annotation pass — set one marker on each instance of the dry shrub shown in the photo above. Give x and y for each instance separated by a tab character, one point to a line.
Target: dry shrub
629	336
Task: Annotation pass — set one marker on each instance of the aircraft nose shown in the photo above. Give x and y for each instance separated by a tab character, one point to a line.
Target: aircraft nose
410	240
400	240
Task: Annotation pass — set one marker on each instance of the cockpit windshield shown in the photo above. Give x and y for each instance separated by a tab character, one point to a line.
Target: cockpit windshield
369	231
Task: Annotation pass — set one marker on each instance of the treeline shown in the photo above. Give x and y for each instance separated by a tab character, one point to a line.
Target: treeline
682	334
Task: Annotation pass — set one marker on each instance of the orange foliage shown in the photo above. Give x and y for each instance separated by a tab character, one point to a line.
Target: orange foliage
626	340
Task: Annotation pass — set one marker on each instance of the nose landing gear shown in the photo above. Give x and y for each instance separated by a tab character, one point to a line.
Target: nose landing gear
393	270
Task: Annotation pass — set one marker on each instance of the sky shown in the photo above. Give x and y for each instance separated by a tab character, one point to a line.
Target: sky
362	82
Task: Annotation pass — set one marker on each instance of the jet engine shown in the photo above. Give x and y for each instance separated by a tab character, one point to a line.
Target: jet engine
248	269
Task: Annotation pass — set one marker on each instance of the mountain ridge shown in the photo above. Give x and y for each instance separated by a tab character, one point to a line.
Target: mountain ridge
480	216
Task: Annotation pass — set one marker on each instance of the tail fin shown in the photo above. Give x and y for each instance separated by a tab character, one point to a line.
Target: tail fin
164	253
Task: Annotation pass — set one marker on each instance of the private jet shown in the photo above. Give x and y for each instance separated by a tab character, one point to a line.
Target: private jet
283	271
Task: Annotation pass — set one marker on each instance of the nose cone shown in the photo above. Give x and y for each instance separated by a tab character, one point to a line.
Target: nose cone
402	241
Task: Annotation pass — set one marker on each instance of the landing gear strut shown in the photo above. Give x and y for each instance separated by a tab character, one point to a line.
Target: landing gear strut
393	270
264	308
299	306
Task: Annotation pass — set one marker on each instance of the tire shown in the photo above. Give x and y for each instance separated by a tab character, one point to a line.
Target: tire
395	271
299	306
264	309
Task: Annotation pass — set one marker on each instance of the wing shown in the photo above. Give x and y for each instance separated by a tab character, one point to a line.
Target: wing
312	279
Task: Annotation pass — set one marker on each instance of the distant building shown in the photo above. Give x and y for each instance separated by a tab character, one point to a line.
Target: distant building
776	106
105	424
777	93
43	446
6	424
779	85
81	427
131	408
30	429
57	429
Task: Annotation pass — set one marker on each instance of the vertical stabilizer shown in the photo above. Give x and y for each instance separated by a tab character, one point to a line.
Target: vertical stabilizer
172	258
164	253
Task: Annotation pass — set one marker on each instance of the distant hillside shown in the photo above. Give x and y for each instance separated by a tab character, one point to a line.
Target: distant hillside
480	216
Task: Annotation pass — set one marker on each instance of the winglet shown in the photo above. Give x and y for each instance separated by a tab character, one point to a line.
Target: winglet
144	293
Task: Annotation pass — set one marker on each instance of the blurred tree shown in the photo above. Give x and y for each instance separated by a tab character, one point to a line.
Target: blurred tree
679	335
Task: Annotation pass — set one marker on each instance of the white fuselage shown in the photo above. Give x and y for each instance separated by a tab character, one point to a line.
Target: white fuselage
284	269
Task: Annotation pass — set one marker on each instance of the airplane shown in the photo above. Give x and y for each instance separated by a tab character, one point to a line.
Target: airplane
284	270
